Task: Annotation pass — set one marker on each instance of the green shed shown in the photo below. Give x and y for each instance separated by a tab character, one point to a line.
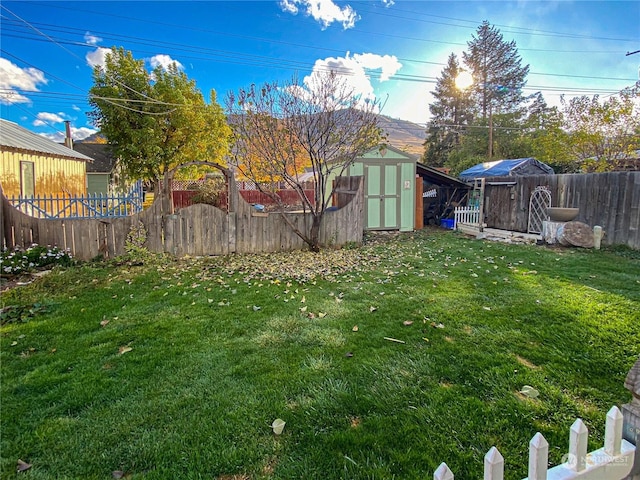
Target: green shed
390	183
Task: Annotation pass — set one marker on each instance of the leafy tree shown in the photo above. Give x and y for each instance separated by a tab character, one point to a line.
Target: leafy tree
544	136
155	120
450	112
602	135
497	71
320	123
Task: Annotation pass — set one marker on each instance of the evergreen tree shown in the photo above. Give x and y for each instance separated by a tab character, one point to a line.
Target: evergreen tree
497	71
449	114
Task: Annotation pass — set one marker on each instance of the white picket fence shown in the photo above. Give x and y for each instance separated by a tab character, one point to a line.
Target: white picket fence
467	215
611	462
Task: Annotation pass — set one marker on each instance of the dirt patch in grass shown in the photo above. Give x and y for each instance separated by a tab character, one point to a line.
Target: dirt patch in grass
526	363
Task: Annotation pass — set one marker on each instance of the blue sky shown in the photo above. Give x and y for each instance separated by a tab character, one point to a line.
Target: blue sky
394	50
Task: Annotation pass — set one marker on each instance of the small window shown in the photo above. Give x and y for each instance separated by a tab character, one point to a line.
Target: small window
27	179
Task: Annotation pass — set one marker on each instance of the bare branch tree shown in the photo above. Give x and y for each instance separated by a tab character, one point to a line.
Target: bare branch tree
319	124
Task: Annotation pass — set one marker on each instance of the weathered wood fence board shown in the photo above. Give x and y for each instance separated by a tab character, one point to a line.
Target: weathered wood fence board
611	200
195	230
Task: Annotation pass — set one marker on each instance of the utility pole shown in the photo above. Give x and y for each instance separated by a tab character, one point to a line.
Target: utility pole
490	133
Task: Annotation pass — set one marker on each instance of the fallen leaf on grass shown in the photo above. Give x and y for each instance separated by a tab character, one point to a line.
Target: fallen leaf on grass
119	474
406	323
321	314
355	328
256	308
23	466
104	322
372	309
303	309
437	325
348	354
487	308
124	349
278	426
529	391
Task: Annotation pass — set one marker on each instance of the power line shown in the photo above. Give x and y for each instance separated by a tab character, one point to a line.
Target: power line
504	28
252	59
413	13
271	62
115	80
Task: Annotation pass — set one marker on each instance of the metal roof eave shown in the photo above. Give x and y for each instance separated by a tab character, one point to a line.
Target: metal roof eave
441	177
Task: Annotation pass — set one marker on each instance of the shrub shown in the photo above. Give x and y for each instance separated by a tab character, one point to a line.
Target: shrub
211	191
17	262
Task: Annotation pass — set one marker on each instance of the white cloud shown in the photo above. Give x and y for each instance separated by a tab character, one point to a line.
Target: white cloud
324	11
164	61
410	103
91	39
388	3
14	78
47	118
98	57
76	133
355	70
76	108
289	6
82	132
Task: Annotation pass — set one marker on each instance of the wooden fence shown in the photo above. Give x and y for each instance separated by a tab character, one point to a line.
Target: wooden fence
613	461
611	200
195	230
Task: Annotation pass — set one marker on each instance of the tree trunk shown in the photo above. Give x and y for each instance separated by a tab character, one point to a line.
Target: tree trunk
314	234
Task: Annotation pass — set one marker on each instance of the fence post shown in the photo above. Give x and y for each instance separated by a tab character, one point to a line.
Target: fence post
631	415
578	438
493	465
538	457
613	432
443	473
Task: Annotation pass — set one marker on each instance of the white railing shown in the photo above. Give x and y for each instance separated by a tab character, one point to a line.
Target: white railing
611	462
468	215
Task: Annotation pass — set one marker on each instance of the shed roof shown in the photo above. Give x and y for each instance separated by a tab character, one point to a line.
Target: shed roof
505	168
437	177
382	150
13	136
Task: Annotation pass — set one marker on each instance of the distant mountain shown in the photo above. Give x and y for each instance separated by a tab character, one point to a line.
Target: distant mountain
402	134
94	138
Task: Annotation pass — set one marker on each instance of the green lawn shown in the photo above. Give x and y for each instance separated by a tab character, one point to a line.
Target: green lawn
176	369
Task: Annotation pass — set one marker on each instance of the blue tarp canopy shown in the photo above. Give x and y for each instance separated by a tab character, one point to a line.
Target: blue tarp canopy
507	168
